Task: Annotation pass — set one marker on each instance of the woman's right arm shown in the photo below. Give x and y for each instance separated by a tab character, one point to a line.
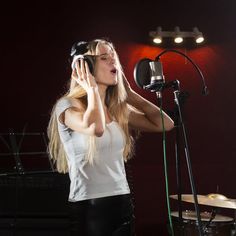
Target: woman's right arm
92	120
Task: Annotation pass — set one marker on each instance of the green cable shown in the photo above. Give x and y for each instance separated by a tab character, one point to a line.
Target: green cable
165	170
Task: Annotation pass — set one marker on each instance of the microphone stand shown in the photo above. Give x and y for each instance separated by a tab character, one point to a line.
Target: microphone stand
180	127
178	171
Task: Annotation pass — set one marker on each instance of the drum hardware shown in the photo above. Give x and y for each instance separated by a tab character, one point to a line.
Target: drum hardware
215	224
212	217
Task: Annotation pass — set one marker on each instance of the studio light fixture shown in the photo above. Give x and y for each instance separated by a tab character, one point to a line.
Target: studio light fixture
157	37
177	35
198	35
178	38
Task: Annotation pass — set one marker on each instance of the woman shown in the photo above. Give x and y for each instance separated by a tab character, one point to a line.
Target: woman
89	135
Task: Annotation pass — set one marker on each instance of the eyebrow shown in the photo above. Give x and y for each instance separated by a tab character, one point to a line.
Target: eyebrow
103	54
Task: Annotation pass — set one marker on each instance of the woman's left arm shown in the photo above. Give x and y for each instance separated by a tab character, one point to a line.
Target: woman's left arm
147	117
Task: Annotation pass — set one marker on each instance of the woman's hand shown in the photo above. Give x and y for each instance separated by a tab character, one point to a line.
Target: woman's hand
129	90
82	75
131	94
92	120
146	115
127	85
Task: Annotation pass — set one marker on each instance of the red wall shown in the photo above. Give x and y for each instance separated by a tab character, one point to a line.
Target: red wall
209	121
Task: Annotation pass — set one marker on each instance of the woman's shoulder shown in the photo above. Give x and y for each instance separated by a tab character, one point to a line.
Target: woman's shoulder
68	101
64	103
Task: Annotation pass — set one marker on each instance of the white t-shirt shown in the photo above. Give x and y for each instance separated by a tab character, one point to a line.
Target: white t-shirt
106	177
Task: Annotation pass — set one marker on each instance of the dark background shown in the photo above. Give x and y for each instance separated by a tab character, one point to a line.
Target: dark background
35	43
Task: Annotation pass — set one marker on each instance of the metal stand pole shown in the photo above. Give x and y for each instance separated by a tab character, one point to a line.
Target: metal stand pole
178	178
187	156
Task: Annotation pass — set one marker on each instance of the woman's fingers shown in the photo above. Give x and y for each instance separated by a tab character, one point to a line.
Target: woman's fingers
88	74
77	68
82	75
87	69
82	69
74	74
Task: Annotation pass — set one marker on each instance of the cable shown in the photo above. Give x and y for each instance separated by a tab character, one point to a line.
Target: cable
205	90
165	169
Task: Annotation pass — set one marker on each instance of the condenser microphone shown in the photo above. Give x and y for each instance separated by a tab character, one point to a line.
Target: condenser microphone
148	74
157	77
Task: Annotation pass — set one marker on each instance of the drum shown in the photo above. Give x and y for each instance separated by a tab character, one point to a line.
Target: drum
220	225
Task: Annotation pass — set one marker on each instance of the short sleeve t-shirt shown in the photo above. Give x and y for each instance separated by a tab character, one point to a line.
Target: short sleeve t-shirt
106	177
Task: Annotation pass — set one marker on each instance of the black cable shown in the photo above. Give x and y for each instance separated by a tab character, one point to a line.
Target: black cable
205	90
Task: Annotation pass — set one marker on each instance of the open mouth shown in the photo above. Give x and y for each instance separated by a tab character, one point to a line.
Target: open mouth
113	71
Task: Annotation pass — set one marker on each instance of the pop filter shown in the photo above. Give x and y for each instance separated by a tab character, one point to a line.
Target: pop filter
142	72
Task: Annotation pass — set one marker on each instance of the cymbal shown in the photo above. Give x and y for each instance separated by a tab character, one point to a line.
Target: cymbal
213	199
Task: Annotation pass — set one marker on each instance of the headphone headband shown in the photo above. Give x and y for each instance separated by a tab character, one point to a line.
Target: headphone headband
80	47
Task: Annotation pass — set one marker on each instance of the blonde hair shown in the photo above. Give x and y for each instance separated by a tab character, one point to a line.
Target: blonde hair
116	102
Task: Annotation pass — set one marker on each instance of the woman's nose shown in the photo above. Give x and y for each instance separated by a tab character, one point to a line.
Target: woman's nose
112	60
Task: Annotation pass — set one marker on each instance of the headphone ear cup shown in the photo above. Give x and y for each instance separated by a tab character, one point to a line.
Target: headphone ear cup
91	62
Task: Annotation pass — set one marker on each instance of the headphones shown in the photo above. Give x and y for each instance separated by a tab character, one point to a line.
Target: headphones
77	52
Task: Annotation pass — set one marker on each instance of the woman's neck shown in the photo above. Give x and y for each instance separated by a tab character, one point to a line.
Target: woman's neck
102	89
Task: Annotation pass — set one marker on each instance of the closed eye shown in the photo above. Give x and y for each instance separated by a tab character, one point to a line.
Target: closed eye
106	56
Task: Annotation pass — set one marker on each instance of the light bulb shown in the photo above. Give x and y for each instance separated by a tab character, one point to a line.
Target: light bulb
157	40
178	39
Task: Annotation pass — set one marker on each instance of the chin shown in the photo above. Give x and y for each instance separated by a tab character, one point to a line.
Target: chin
113	81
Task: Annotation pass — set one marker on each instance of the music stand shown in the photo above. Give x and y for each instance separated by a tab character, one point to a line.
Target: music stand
18	158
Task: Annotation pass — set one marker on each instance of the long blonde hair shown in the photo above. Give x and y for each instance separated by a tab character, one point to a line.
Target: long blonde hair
116	102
